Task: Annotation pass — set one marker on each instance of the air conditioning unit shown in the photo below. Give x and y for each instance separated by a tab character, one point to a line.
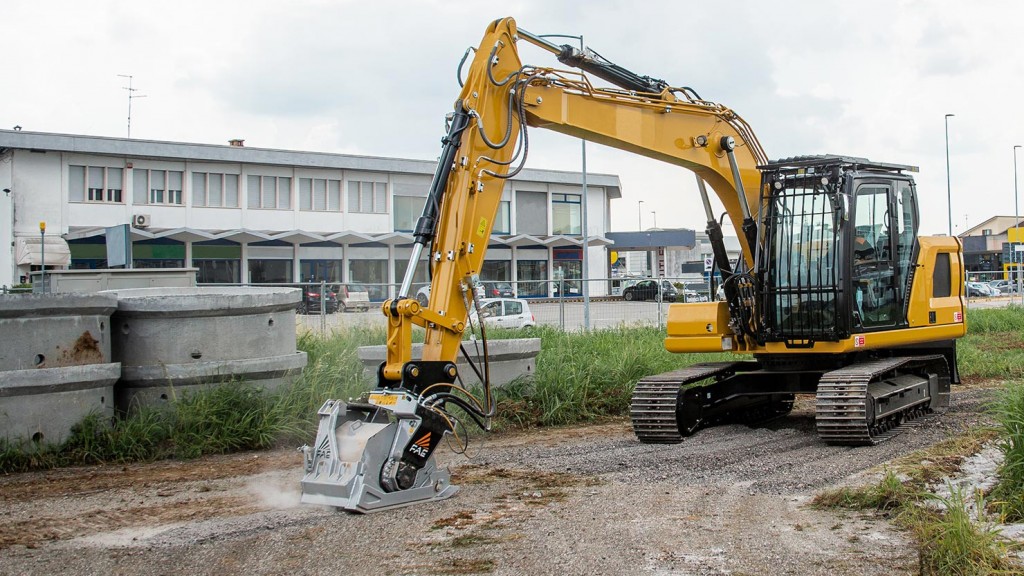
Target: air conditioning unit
141	220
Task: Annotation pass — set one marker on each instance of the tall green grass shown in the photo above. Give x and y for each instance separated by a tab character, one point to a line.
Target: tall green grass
580	377
1008	410
583	376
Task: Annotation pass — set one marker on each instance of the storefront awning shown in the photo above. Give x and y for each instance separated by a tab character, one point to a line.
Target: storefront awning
29	251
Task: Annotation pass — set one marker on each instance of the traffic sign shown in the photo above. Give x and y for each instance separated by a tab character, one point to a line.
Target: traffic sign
709	263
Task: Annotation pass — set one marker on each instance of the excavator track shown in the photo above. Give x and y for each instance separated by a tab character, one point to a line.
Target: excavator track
846	411
654	409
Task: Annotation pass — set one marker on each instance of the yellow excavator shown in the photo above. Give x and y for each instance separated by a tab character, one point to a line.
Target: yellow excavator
834	293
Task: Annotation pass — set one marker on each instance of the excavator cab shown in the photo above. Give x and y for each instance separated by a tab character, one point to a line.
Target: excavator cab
839	238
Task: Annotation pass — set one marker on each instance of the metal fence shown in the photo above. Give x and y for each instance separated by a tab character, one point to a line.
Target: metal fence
610	302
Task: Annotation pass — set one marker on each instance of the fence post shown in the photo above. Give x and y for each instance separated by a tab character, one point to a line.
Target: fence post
561	303
323	307
661	298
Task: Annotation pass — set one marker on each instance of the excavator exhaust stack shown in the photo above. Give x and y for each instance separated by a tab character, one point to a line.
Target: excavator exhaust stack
358	450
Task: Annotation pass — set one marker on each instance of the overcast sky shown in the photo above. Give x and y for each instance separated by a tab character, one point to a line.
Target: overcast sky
864	78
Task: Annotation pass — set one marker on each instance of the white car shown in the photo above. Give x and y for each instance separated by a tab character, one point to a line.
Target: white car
505	313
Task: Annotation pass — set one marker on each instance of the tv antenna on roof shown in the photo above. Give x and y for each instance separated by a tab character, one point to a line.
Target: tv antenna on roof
131	95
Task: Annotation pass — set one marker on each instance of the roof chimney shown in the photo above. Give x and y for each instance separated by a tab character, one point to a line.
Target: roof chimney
237	142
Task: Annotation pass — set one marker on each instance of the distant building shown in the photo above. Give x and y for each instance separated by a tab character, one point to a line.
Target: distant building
986	246
241	214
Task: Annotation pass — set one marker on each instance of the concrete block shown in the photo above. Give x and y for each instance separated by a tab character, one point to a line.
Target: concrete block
40	405
172	340
509	359
55	364
155	385
54	330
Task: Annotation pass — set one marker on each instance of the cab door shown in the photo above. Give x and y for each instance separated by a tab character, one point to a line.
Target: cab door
875	300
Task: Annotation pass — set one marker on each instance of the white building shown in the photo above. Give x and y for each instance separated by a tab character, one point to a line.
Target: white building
242	214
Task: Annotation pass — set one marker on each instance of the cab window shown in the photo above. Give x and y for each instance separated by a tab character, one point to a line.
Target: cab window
906	233
874	286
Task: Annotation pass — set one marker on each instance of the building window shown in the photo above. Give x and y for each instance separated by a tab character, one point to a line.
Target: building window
503	219
319	195
497	270
407	212
157	187
270	192
214	190
371	273
270	271
320	270
532	275
95	184
565	214
368	197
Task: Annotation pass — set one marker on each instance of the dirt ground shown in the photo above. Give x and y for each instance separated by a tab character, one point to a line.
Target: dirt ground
581	500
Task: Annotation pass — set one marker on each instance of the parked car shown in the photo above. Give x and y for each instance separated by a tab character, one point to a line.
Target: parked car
498	290
423	295
504	313
694	296
353	297
648	290
980	290
312	300
1004	286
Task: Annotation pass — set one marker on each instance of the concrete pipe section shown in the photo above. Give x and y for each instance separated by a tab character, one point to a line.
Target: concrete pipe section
174	340
55	364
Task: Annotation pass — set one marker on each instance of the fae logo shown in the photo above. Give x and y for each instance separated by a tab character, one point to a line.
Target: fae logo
420	446
958	316
858	341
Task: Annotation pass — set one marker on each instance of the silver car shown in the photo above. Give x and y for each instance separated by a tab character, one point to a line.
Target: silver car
505	313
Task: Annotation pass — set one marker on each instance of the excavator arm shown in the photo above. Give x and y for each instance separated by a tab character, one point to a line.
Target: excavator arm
500	99
401	422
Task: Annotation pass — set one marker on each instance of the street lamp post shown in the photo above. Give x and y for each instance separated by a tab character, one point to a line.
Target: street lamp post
655	215
583	207
1016	222
949	193
639	217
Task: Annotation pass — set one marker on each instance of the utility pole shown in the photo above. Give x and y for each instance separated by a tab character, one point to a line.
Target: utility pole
131	96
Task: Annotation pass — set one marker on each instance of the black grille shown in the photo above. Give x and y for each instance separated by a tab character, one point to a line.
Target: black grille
800	263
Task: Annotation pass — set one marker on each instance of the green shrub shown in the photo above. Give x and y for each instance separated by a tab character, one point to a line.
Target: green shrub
1008	410
952	543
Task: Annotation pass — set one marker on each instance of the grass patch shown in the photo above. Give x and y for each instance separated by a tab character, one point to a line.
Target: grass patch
949	541
888	495
586	376
1008	410
580	377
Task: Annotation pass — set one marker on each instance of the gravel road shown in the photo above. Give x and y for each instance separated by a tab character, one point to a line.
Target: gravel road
581	500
